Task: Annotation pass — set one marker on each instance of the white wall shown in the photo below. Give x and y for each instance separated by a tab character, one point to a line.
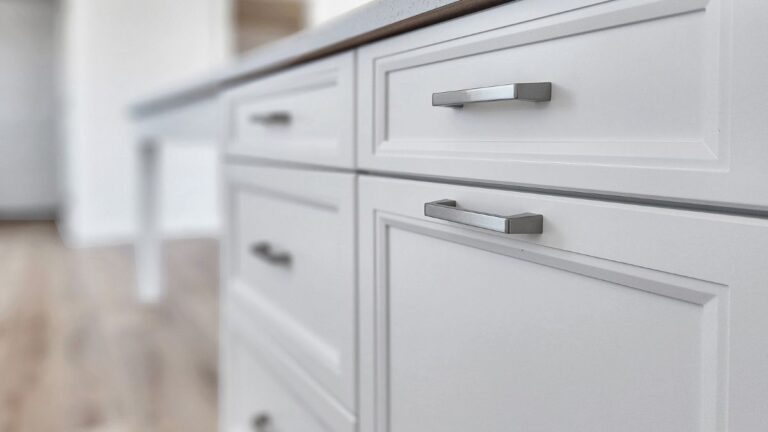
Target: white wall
190	197
28	180
116	52
320	11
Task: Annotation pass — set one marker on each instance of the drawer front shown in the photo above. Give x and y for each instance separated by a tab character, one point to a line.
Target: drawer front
256	397
292	249
615	317
305	114
639	101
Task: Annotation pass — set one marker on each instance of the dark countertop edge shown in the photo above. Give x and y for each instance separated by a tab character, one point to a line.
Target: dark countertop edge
284	54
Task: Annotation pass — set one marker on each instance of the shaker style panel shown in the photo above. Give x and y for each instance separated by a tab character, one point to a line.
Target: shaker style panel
305	114
623	97
292	265
600	317
258	398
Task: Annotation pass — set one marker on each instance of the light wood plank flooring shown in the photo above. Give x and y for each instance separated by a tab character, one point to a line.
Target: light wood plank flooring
77	353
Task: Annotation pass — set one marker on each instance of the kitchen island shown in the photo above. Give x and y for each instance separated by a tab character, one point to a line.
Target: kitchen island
533	215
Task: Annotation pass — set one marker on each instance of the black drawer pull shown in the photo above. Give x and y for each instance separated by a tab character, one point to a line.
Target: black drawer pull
266	252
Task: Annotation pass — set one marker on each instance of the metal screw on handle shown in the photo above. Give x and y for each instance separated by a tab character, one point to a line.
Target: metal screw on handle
273	118
261	422
523	223
266	252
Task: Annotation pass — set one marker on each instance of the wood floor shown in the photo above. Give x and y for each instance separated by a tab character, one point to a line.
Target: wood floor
77	353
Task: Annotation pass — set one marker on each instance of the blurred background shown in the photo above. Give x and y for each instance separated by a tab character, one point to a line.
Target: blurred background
77	351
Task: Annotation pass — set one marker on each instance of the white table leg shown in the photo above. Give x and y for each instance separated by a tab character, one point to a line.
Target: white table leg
148	247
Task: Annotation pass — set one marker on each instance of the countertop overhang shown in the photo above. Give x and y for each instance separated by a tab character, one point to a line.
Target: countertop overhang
373	21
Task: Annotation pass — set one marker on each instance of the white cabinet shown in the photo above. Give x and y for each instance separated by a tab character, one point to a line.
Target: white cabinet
292	266
305	114
258	403
348	309
259	397
643	101
616	317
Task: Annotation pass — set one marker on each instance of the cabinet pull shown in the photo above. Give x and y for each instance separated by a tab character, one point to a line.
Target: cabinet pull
531	92
273	118
523	223
266	252
261	422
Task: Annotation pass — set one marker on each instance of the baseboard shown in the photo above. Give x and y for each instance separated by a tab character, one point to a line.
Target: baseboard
29	214
78	240
190	233
92	240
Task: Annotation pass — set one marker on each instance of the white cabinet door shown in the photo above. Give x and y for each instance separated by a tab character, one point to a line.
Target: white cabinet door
617	318
257	397
291	243
304	114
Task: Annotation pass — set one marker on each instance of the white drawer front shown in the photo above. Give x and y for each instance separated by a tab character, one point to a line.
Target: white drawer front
617	317
639	102
258	399
303	115
293	266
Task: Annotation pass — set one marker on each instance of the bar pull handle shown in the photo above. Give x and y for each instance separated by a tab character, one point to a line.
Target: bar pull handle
273	118
261	422
523	223
530	92
266	252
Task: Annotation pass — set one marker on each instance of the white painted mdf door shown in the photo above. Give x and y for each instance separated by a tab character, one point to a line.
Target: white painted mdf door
292	249
258	379
256	399
29	185
654	98
617	318
305	114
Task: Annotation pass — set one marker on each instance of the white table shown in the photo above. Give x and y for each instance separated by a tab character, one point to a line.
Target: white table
193	123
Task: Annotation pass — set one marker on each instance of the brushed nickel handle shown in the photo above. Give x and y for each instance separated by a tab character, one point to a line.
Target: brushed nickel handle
523	223
261	422
531	92
273	118
266	252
